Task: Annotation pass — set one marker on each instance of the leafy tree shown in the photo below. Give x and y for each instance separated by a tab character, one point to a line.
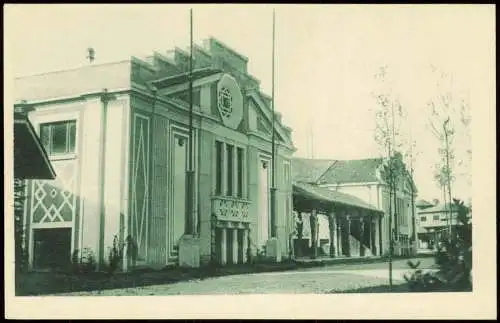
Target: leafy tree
454	256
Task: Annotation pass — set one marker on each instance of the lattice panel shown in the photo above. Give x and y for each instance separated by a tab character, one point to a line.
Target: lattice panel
140	185
231	209
55	200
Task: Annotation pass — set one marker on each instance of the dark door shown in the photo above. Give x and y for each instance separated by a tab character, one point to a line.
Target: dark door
52	248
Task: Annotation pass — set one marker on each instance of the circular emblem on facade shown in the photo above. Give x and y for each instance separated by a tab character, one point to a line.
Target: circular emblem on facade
229	101
225	102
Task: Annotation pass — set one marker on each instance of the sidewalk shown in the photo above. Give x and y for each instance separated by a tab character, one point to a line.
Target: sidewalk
340	260
358	260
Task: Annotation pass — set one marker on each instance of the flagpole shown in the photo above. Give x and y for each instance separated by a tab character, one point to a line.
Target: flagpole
190	171
273	153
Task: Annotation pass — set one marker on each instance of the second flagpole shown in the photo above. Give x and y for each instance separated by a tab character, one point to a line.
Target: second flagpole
273	152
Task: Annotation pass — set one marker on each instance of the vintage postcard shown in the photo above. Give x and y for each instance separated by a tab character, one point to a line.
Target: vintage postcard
249	161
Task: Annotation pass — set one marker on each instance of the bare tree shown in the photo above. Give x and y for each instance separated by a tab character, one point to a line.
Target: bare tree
389	135
449	120
410	157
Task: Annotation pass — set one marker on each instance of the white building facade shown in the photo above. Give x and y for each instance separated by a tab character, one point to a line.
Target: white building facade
117	136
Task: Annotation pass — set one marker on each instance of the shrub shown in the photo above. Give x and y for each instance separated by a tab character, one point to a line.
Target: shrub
115	256
249	248
420	281
132	249
21	255
83	261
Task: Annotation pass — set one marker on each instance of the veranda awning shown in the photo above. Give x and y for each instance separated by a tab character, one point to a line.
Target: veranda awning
314	193
30	158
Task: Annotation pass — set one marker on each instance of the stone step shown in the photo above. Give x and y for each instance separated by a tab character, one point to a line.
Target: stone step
355	247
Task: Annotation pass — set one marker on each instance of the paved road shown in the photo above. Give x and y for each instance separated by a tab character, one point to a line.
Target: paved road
311	280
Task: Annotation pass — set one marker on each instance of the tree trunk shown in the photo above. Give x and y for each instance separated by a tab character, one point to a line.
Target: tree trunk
395	208
413	221
396	213
390	237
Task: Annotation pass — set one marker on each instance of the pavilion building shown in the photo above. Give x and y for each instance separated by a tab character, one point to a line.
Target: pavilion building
117	135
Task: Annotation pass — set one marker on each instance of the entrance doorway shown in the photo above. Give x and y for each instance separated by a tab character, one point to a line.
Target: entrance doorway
52	248
179	199
264	207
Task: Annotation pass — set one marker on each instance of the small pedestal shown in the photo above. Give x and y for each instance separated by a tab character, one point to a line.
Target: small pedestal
189	252
397	248
273	251
414	249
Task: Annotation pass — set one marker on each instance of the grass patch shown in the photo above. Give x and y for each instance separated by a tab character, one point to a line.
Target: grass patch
399	288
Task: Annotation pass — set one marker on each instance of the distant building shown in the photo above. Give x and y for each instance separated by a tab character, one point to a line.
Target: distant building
362	180
117	135
423	204
433	222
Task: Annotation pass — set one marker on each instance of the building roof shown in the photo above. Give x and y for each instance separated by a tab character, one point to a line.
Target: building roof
440	208
30	158
309	170
83	80
331	171
184	77
352	171
147	75
423	204
335	171
311	192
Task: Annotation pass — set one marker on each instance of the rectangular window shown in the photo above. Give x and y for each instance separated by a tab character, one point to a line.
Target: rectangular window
407	212
229	154
230	166
218	167
287	173
288	207
240	161
398	213
401	212
58	137
423	219
435	217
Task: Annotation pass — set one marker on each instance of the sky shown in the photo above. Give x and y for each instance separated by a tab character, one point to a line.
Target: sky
326	59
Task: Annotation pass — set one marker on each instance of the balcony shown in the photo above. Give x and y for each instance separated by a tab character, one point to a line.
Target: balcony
231	209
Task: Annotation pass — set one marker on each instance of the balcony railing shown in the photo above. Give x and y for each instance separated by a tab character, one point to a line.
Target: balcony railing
231	209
